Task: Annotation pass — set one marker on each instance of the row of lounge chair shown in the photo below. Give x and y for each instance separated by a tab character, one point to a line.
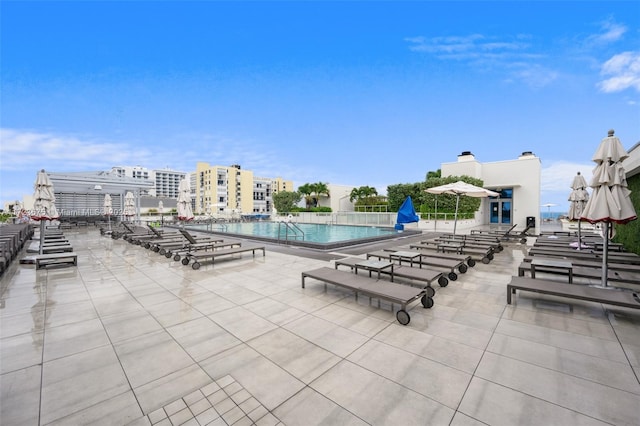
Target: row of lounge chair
184	247
559	255
13	237
416	269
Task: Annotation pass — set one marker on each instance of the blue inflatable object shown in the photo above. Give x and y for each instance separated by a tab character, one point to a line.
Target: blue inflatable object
406	213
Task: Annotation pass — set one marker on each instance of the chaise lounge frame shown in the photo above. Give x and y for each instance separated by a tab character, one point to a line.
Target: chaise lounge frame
382	290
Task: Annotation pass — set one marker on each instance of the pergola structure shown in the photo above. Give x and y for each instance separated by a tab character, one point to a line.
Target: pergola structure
81	194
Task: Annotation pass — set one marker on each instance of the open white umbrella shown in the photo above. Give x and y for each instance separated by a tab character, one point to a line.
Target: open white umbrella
185	213
610	201
107	209
461	188
44	207
129	205
577	200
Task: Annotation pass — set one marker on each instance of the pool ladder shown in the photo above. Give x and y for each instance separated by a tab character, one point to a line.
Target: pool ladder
292	228
222	227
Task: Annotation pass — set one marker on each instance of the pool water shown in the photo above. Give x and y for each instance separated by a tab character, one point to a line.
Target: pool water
303	234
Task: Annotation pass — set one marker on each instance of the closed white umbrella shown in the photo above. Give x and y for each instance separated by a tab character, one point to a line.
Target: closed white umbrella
577	200
610	201
185	212
44	206
129	205
461	188
107	209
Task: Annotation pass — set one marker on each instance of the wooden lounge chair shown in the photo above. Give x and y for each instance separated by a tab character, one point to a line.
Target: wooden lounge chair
212	255
417	274
592	294
382	290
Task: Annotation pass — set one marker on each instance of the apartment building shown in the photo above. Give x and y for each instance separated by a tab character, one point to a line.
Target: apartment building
230	189
166	181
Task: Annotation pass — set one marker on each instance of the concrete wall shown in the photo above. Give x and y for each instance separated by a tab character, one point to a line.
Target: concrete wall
522	174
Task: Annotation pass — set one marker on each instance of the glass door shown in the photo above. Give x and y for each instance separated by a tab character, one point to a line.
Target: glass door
500	212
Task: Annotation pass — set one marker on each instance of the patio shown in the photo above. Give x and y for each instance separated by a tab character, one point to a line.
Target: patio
130	337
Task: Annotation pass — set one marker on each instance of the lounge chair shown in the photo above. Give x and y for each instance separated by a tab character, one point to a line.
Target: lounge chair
569	253
382	290
417	274
185	255
484	255
425	259
198	257
605	296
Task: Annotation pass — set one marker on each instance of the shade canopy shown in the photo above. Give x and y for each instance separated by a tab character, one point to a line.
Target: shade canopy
185	211
407	213
462	188
44	207
458	189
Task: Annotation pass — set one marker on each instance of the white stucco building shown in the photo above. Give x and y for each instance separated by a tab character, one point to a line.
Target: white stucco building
338	198
517	181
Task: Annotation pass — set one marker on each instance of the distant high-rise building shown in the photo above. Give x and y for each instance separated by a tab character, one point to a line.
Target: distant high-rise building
166	181
224	189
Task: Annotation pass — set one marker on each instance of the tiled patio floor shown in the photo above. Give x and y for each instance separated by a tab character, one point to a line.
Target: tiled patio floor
130	337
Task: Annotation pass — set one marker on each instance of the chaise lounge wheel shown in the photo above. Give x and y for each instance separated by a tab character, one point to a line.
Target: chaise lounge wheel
471	263
430	291
427	302
156	249
499	248
196	265
453	276
185	261
403	317
486	260
147	246
523	241
163	251
168	255
443	281
490	256
176	257
462	268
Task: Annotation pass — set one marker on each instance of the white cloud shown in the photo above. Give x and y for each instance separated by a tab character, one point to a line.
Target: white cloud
36	150
624	72
460	47
559	175
610	32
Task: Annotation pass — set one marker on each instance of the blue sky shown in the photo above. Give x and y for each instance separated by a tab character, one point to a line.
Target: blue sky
354	93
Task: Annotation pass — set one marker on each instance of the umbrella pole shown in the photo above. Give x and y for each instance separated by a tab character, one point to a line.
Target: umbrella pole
605	255
579	236
41	236
455	220
435	222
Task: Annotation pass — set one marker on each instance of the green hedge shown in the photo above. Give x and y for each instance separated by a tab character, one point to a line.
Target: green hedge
629	234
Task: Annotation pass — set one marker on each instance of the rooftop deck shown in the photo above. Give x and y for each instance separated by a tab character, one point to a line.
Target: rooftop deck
130	337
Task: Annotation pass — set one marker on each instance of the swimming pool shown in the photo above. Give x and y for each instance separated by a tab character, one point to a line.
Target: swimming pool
302	234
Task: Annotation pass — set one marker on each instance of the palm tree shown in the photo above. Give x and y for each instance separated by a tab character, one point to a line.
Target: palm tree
306	190
363	194
319	188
